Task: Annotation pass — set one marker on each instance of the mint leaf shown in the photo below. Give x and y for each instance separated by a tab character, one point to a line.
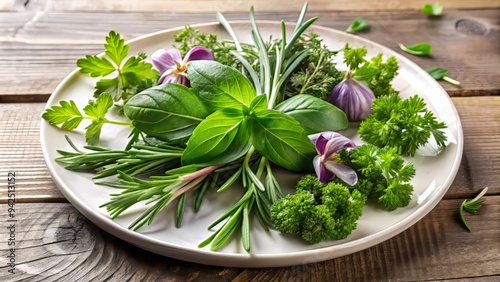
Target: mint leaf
358	25
433	10
115	47
67	115
95	66
420	49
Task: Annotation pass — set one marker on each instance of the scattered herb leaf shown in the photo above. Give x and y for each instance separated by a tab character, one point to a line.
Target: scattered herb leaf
472	206
421	49
442	74
358	25
433	10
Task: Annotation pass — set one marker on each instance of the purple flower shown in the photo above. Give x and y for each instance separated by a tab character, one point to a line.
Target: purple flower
326	163
353	97
173	68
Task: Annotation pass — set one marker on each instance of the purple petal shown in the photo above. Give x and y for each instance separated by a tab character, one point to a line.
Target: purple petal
324	144
323	174
336	144
164	59
198	53
345	173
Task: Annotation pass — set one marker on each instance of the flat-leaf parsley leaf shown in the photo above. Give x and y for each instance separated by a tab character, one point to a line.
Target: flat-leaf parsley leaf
131	74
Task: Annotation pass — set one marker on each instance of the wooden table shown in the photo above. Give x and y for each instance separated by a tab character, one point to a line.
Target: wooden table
40	41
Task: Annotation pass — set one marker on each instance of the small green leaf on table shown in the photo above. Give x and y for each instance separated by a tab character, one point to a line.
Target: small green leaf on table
472	206
433	10
441	74
358	25
421	49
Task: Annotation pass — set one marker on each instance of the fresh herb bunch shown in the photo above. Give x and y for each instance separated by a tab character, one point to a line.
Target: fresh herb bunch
247	111
401	124
375	73
318	75
382	175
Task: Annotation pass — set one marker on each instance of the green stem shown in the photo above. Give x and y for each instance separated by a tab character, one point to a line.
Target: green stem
304	87
117	122
451	81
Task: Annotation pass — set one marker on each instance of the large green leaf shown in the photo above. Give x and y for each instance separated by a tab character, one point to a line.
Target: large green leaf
169	112
313	114
221	138
281	139
220	86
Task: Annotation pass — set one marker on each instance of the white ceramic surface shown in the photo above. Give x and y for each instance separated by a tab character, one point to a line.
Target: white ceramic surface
269	249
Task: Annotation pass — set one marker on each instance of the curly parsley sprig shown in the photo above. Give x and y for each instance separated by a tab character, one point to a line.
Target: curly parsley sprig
401	124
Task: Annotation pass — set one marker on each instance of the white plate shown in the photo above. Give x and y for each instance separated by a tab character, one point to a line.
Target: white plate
269	249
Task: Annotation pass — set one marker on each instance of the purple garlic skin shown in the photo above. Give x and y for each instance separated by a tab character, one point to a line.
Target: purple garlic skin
353	97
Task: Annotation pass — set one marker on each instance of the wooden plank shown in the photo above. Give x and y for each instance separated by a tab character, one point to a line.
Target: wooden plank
38	53
196	6
20	150
481	126
55	241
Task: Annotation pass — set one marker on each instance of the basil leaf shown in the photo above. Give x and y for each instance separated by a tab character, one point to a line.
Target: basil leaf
438	73
280	139
220	86
314	114
221	138
420	49
358	25
169	112
259	103
433	10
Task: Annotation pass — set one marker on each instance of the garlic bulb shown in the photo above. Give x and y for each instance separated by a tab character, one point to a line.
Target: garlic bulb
353	97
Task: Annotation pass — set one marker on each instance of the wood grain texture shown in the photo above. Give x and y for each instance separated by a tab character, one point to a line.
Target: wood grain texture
54	242
20	152
38	48
196	6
